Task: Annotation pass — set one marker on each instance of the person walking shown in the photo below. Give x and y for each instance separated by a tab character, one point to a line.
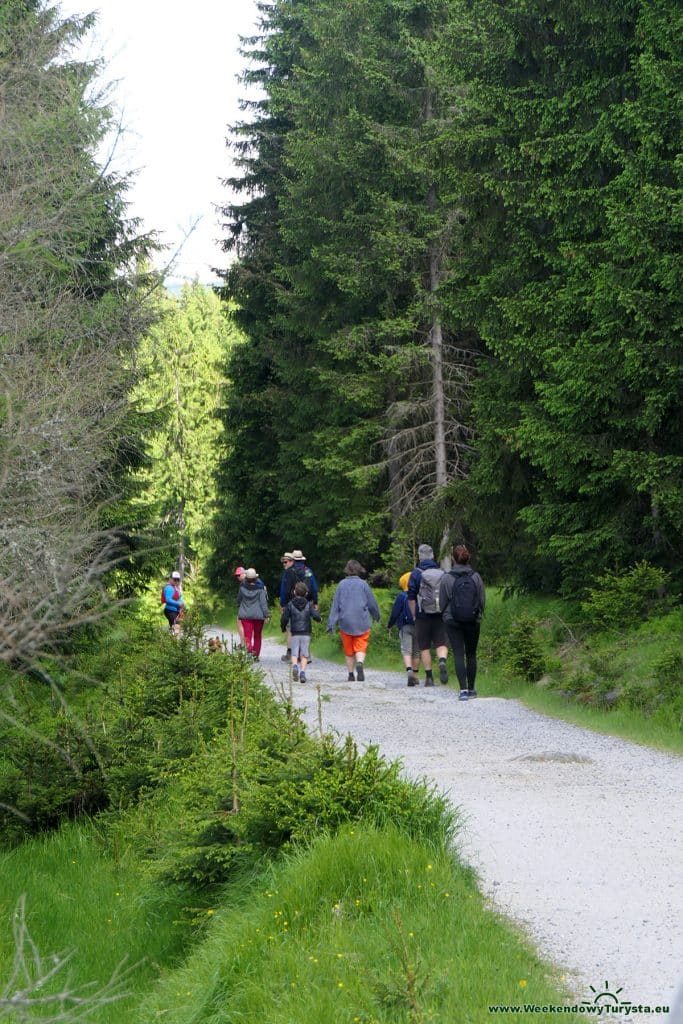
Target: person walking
252	611
286	593
239	576
353	607
172	598
463	599
423	598
402	617
297	617
295	571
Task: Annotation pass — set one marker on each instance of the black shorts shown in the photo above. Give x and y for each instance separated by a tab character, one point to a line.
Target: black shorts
430	632
171	614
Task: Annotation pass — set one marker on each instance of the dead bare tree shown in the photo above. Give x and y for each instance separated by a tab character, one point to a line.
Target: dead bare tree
70	310
427	435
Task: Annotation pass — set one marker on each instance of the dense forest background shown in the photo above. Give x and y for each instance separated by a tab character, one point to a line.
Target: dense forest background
456	234
450	310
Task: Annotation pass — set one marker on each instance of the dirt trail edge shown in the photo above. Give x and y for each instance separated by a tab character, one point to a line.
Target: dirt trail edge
578	837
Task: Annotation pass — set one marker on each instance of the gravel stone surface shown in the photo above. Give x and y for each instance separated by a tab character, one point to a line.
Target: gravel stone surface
575	836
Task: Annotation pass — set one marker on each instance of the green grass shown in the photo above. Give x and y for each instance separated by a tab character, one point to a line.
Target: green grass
82	898
368	927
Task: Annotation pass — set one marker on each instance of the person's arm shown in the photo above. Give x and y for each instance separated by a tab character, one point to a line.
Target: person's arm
285	617
314	589
263	600
395	611
334	613
445	590
315	614
283	595
413	587
482	593
373	607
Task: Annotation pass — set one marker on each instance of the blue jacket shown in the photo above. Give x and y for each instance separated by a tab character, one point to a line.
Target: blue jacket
353	606
414	583
169	600
293	575
401	614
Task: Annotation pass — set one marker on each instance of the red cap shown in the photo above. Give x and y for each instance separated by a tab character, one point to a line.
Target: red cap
239	571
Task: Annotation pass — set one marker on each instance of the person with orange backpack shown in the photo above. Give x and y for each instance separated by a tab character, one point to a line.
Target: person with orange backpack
172	600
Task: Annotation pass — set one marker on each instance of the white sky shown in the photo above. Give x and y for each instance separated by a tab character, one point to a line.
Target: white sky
175	66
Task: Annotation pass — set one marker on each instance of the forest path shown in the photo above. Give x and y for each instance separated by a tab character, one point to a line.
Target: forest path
575	835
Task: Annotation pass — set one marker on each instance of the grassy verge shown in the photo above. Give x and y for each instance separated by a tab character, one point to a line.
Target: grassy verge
81	898
367	926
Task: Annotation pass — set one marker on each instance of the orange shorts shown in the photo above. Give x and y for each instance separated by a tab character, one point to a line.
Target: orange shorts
355	644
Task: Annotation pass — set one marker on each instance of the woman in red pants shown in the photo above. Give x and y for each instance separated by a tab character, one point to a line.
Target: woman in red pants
252	611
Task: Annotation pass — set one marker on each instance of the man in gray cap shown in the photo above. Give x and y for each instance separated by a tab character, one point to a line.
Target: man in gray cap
423	599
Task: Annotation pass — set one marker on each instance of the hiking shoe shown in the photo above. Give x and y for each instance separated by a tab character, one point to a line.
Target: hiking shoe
412	681
360	674
443	672
351	678
472	693
464	695
302	677
287	656
295	672
429	681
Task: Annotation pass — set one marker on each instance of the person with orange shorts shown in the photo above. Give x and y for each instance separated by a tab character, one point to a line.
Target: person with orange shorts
353	607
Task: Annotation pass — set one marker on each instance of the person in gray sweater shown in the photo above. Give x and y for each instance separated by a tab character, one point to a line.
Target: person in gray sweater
252	611
353	607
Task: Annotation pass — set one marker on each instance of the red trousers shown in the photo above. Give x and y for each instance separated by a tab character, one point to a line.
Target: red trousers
253	628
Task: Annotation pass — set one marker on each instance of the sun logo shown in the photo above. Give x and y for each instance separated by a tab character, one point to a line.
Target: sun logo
606	997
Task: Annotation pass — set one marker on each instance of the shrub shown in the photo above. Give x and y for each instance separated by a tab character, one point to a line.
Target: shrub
523	650
289	789
623	599
70	745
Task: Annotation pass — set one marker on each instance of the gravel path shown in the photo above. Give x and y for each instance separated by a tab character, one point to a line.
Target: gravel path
576	836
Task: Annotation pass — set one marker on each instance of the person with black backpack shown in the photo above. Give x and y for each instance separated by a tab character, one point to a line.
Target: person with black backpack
463	599
295	571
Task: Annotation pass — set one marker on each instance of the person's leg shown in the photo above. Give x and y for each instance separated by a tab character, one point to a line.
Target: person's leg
422	634
407	635
258	633
294	664
349	654
360	647
304	648
240	632
288	653
471	635
457	639
248	627
440	641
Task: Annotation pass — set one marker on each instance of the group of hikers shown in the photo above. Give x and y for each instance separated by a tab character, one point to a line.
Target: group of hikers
434	609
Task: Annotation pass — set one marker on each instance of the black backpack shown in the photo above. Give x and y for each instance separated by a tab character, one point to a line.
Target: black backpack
464	602
297	574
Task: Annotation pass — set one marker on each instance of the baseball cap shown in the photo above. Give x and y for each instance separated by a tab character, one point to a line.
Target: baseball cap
239	571
176	576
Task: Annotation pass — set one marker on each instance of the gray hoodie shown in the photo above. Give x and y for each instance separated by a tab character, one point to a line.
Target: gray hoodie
252	602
